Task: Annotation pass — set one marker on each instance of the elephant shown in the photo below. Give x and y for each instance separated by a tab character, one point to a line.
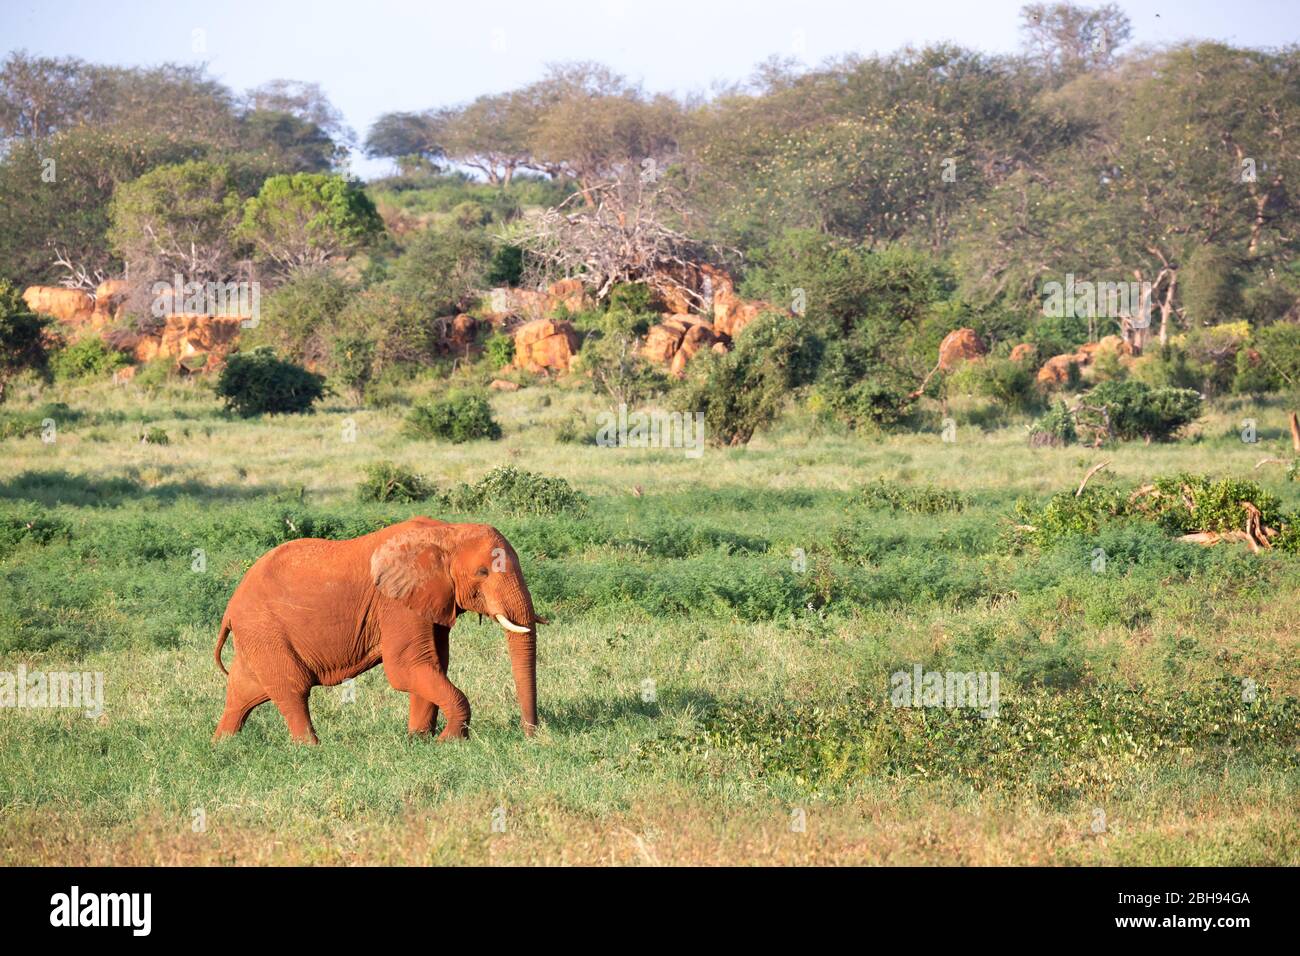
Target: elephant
313	611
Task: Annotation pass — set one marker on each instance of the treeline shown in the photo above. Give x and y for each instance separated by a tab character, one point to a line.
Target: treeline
878	203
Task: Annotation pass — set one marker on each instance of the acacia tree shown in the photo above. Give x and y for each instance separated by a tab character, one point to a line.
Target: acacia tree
177	219
302	221
491	134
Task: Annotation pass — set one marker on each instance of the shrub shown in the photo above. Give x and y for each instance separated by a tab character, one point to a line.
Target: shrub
1273	362
617	369
1054	428
1178	504
300	317
353	356
153	435
459	417
512	490
1006	382
22	337
500	350
926	500
1136	410
86	357
385	481
256	382
744	390
506	266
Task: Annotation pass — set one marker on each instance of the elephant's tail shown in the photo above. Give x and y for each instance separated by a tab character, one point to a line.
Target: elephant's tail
221	642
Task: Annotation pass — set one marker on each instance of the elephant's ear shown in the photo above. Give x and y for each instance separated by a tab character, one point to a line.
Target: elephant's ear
413	568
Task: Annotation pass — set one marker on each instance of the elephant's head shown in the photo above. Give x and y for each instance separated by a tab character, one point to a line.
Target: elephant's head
441	570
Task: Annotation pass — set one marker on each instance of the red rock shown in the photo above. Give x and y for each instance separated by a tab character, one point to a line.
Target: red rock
959	346
65	305
502	385
1056	370
1024	352
545	344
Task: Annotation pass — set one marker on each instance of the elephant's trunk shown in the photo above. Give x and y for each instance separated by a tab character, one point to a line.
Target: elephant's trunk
521	638
523	662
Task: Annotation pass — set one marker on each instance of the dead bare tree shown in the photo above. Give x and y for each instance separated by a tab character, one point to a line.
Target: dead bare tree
631	232
78	276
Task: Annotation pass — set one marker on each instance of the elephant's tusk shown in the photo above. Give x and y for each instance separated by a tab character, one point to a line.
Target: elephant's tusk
510	625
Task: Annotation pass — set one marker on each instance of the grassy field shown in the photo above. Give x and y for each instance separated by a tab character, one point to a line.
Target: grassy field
1123	735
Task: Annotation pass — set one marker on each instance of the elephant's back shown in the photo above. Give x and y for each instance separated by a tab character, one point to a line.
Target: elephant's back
303	564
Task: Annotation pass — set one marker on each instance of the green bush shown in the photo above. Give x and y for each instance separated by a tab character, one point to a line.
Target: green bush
926	500
300	318
386	482
506	266
22	337
514	491
1178	504
353	358
1008	383
1136	410
1272	362
256	382
744	390
84	358
500	350
459	417
1054	428
153	435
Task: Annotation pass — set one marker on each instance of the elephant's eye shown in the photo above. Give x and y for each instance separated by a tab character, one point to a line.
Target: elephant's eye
481	573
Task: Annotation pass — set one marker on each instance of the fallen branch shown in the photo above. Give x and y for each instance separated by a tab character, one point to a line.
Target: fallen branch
1091	471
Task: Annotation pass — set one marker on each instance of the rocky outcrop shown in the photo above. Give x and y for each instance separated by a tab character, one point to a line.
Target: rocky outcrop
697	338
731	313
79	309
66	305
193	342
1056	370
1024	352
958	346
544	345
673	341
569	293
461	332
505	303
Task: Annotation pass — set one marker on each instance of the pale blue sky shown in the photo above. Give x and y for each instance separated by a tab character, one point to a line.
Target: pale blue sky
376	56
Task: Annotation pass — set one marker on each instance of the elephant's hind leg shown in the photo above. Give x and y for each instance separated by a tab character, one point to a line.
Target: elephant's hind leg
243	693
298	717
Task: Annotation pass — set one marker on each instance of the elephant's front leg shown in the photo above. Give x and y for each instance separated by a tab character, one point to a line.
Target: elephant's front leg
424	712
415	661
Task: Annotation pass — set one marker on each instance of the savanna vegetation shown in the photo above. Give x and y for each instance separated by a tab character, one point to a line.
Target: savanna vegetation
1119	543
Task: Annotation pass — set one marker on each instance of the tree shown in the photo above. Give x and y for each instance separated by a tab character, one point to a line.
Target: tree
41	95
55	195
177	219
22	338
631	230
492	135
400	135
442	269
304	220
1069	39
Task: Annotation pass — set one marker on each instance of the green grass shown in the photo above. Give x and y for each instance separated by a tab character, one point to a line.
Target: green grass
768	593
